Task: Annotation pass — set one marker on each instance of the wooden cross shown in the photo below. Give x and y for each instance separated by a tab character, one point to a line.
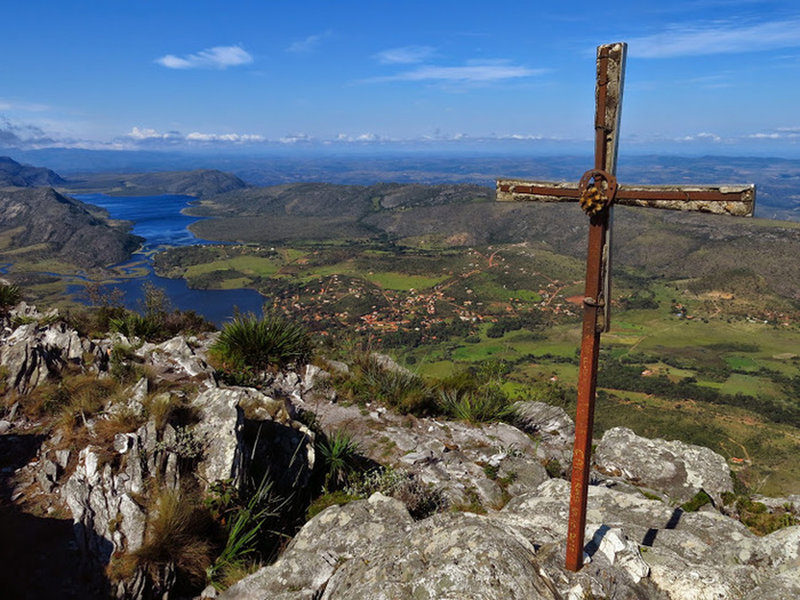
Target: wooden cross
596	191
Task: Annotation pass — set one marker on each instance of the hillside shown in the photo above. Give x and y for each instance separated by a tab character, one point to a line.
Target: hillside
14	174
199	183
665	243
42	225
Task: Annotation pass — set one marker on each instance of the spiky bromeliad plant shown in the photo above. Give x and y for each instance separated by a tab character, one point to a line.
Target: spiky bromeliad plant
260	343
10	295
340	454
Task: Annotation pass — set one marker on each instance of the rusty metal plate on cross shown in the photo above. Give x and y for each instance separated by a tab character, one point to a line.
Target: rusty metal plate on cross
732	199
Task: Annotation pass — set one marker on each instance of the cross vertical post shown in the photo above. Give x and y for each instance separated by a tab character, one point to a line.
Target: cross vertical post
597	200
608	93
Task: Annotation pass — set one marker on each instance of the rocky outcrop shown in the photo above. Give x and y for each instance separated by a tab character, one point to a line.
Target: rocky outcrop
505	538
337	535
677	469
41	347
106	502
637	548
551	426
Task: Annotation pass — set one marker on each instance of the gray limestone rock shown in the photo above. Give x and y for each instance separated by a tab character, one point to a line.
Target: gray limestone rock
449	556
32	353
784	585
220	430
551	425
678	469
175	360
333	537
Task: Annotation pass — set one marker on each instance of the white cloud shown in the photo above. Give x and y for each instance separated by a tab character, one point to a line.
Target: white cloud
405	55
780	133
359	138
237	138
703	136
218	57
717	37
474	72
146	134
308	44
296	138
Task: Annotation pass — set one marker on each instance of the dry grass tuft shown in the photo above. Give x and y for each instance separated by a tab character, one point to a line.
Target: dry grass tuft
178	533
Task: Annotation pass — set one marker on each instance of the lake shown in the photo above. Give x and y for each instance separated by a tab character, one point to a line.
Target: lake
158	219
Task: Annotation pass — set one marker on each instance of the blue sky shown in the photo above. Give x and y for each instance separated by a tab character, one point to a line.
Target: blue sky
705	76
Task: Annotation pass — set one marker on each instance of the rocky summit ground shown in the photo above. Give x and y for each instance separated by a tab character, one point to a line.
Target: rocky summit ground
471	511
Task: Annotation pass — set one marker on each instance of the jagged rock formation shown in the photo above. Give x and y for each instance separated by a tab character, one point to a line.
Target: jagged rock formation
32	353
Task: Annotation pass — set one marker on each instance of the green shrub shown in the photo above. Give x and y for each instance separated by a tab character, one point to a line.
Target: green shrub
699	500
124	366
260	343
329	499
244	525
369	381
475	405
132	325
475	396
341	459
10	295
760	520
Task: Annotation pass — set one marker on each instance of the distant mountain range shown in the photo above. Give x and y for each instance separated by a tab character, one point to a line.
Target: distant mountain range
777	179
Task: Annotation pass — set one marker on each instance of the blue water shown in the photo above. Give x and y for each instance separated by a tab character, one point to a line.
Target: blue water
158	219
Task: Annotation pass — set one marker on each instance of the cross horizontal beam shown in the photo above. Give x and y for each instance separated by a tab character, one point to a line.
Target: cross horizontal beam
737	200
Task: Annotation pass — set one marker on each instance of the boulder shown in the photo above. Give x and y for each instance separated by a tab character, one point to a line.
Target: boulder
678	469
242	427
701	555
449	556
333	537
372	549
34	353
551	425
220	431
175	360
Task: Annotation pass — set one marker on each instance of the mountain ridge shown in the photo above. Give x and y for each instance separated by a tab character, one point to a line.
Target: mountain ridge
14	174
